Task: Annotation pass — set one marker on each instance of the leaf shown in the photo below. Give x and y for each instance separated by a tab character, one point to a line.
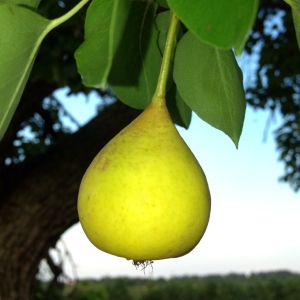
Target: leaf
105	22
180	112
224	23
21	33
136	65
210	82
31	4
295	5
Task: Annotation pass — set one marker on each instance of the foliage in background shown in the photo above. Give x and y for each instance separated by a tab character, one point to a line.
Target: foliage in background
275	84
260	286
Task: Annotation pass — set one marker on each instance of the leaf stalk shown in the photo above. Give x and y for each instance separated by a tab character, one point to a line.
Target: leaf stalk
56	22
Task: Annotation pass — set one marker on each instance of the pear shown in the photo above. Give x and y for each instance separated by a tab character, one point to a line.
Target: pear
144	196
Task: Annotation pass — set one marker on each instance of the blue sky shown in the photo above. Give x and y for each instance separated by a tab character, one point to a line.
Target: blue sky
254	220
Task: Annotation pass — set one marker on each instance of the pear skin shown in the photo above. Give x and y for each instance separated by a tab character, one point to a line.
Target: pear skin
144	196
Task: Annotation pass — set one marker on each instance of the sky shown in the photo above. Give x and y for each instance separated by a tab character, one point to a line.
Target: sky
254	223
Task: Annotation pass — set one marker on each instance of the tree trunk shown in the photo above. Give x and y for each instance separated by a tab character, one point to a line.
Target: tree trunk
38	199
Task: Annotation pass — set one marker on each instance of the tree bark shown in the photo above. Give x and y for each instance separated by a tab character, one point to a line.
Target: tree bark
38	199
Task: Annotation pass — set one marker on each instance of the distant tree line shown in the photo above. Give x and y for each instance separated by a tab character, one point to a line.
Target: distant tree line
261	286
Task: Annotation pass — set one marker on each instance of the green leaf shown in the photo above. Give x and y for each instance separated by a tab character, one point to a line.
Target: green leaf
136	65
31	4
21	33
224	23
180	112
295	5
210	82
104	25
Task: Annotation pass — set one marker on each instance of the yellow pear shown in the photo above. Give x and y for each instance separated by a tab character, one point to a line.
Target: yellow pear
145	197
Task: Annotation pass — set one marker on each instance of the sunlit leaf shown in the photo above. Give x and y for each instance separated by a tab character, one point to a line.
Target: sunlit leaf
210	82
136	65
104	25
224	23
21	32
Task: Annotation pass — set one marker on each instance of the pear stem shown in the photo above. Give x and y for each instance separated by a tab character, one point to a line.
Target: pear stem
160	92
